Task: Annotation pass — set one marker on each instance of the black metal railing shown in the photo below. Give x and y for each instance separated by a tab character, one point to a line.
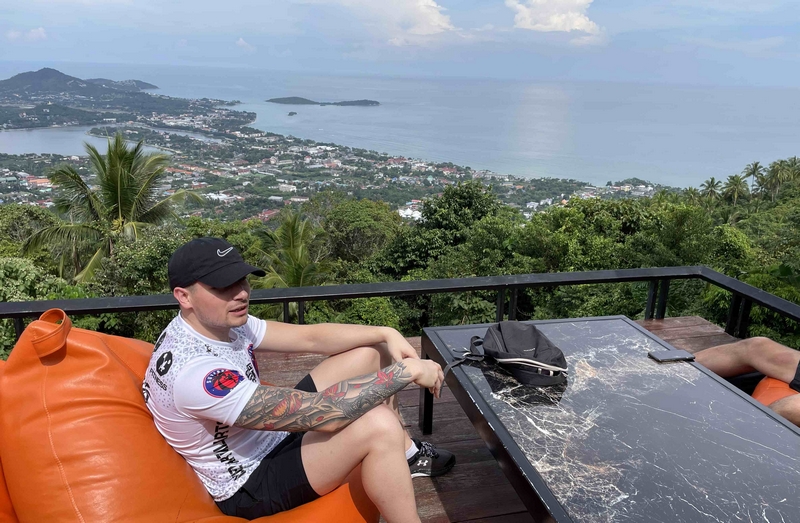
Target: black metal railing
743	296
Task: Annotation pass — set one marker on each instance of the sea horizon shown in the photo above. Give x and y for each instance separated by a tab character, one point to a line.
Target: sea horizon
590	131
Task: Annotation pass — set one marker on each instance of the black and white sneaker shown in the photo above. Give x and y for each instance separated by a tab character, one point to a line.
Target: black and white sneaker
430	461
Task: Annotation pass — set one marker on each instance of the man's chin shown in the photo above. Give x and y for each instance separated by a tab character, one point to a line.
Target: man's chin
239	317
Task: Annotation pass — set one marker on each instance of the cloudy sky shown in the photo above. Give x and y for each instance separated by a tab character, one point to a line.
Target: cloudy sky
663	41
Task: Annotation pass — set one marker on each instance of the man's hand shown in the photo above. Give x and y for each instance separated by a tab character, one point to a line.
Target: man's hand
398	347
426	373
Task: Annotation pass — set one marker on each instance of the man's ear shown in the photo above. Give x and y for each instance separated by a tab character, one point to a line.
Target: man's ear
184	297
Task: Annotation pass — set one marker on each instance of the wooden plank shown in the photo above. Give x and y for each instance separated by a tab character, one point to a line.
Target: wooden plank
473	504
697	344
667	323
519	517
694	331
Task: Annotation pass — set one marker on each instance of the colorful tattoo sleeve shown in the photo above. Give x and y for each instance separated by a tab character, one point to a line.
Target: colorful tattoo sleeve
275	408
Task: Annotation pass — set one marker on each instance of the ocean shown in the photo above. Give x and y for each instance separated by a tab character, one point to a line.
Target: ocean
591	131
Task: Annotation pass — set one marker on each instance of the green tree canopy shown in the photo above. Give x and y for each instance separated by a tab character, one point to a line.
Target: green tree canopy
125	201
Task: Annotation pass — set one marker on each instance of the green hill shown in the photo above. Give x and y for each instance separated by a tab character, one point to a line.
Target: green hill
297	100
51	81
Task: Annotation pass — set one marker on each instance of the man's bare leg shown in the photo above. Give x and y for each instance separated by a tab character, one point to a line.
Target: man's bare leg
753	354
376	441
355	362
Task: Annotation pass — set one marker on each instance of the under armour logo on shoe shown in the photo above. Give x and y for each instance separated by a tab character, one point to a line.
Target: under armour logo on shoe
423	462
223	253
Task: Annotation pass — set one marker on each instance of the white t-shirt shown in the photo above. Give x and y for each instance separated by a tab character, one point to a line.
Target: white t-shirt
196	387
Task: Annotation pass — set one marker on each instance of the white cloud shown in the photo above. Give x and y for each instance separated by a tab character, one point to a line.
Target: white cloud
244	45
553	15
398	22
590	39
31	35
36	34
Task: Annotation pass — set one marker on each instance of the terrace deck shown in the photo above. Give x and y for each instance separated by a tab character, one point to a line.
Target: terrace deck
476	491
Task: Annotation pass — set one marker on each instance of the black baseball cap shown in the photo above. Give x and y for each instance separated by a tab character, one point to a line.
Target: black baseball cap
212	261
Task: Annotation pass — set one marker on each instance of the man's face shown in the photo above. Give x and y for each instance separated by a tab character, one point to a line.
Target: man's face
223	308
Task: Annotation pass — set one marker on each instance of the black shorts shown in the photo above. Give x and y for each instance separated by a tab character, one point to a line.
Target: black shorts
794	384
279	482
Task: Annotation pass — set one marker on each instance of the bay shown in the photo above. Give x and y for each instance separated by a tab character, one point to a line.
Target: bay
67	141
593	131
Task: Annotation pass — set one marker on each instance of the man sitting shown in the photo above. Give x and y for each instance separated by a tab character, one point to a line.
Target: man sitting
765	356
263	449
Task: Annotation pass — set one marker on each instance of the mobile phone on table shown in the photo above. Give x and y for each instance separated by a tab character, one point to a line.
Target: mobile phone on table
666	356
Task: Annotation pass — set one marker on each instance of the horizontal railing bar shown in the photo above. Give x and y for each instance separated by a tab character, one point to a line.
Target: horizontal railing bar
756	295
352	291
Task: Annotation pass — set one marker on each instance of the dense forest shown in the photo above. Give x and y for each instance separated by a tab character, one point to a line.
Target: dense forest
102	242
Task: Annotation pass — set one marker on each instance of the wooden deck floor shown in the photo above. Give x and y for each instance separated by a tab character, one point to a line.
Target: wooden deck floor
476	489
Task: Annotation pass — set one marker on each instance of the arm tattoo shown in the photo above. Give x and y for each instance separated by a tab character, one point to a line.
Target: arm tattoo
275	408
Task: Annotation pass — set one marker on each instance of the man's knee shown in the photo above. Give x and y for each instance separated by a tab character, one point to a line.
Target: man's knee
771	358
369	355
380	425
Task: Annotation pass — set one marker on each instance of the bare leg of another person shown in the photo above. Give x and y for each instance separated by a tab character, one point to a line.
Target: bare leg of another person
376	441
753	354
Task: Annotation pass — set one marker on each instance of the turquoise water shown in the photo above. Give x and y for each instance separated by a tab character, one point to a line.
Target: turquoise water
675	135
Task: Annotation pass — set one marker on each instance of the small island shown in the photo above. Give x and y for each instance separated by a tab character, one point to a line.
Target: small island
292	113
296	100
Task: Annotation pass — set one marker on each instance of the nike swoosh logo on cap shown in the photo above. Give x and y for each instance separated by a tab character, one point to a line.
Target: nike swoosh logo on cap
225	252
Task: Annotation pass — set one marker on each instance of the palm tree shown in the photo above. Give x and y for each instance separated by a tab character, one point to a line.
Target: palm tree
710	188
791	169
692	196
292	256
753	171
778	173
735	188
124	202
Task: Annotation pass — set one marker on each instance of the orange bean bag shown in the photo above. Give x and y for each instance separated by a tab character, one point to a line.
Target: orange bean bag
79	445
769	390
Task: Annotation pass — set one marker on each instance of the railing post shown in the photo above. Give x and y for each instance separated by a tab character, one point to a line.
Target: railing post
512	304
501	303
19	326
652	292
286	318
733	314
663	295
301	312
744	319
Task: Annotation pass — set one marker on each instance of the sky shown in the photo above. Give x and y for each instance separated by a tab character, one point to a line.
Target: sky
705	42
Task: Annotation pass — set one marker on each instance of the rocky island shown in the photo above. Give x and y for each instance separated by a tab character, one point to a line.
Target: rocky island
296	100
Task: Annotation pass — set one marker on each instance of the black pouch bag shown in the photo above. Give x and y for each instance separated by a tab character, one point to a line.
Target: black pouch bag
522	350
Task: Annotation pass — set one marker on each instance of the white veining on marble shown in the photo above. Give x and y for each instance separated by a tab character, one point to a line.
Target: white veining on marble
630	439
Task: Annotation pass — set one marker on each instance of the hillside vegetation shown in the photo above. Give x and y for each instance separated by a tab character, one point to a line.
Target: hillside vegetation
750	233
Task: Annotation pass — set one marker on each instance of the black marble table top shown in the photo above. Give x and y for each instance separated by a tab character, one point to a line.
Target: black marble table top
629	439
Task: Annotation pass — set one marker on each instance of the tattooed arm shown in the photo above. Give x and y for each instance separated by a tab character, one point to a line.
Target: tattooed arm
275	408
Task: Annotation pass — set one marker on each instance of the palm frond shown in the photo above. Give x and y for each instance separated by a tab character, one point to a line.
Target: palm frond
94	263
65	233
163	209
148	170
74	196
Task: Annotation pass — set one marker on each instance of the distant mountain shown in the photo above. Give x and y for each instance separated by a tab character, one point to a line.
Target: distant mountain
296	100
125	85
51	81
